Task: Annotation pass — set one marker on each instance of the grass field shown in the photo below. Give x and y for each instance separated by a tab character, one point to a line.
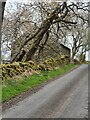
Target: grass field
14	88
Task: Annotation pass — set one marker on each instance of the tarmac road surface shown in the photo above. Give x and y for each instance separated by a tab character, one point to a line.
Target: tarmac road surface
65	97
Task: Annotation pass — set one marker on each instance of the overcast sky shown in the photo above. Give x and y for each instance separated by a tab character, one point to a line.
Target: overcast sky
25	1
12	1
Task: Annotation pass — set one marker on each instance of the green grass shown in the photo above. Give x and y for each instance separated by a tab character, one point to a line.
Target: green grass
14	88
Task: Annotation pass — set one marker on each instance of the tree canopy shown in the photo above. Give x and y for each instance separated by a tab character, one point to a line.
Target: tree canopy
35	28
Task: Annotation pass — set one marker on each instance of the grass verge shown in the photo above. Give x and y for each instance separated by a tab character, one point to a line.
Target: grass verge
14	88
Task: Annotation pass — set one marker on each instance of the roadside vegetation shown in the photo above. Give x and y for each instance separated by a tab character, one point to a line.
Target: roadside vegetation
87	62
14	87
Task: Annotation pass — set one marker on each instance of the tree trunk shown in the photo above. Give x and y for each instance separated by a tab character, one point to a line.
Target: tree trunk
44	28
2	6
73	55
21	55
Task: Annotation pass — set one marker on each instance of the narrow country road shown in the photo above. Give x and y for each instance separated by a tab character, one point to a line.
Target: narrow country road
66	97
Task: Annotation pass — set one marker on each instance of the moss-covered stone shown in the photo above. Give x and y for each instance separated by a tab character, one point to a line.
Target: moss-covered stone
26	68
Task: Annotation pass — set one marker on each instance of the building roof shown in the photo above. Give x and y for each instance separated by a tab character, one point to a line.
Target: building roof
65	46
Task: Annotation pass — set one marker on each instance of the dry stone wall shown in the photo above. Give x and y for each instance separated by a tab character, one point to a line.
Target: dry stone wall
28	68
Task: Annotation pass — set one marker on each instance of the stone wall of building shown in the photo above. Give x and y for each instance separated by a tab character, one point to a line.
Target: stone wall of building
65	50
